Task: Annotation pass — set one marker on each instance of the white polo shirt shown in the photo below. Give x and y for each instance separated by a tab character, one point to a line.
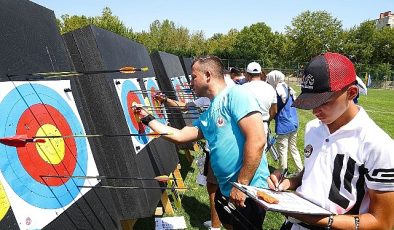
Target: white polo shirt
340	167
265	95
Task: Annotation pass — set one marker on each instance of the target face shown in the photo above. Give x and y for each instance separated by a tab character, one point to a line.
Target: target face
185	84
36	109
158	109
178	89
24	167
130	94
186	89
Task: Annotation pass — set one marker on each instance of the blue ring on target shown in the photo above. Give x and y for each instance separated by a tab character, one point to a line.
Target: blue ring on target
30	190
129	86
152	84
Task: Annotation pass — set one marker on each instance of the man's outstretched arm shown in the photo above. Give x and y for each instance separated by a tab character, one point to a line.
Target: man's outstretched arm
186	134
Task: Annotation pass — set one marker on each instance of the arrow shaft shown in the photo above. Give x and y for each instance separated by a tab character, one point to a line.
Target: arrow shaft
78	73
175	107
104	177
129	187
103	135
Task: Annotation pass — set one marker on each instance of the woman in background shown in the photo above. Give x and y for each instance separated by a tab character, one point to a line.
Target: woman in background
286	120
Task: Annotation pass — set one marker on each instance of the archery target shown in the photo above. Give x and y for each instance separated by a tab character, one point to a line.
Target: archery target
158	109
185	84
187	89
182	90
130	93
42	109
176	84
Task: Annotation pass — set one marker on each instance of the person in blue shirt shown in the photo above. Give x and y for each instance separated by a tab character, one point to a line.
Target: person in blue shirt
233	127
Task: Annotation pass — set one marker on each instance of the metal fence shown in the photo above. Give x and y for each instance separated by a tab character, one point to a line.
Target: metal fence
380	79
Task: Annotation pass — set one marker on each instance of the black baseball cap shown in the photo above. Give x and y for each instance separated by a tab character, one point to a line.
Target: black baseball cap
323	76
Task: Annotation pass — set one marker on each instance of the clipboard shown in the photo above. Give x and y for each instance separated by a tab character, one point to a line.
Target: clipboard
289	202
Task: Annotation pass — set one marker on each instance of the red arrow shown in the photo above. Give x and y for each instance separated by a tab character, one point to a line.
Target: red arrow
19	140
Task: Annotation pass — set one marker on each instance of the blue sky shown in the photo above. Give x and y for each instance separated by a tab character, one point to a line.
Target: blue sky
218	16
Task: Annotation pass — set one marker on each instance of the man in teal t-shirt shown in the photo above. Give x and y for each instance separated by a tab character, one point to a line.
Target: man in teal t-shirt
219	125
233	127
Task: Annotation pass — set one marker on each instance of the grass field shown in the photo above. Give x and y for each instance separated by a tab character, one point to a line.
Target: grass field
379	104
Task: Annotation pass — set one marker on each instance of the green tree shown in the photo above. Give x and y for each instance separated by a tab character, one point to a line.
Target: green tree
359	43
161	37
281	47
69	23
112	23
197	44
384	46
222	45
105	21
254	42
166	36
314	33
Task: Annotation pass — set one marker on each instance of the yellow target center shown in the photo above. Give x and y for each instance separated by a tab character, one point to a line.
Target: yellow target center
53	150
4	203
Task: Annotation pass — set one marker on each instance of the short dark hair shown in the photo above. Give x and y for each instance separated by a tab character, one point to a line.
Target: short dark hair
235	70
212	61
253	75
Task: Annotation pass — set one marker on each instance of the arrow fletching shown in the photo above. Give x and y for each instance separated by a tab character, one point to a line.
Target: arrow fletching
129	69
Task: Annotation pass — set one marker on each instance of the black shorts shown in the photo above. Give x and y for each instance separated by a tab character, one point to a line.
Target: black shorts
250	217
208	170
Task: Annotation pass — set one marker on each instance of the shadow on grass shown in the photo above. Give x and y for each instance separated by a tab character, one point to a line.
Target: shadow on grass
194	211
186	166
145	223
198	212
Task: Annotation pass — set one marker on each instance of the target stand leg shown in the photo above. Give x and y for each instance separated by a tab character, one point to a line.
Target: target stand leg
165	200
177	185
189	156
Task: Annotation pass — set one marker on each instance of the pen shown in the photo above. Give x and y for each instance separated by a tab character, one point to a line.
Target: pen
282	177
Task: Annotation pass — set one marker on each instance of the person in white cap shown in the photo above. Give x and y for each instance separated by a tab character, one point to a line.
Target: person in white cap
349	160
264	93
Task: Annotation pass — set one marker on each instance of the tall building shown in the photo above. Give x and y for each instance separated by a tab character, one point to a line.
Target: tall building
386	19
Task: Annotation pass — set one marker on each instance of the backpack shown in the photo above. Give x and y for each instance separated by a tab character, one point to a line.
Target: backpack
286	119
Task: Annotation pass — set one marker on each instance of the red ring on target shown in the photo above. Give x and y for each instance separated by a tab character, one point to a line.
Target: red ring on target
156	104
133	99
29	156
180	93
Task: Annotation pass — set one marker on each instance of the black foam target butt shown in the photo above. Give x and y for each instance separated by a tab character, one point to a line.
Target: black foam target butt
168	66
30	42
187	66
81	216
8	221
95	48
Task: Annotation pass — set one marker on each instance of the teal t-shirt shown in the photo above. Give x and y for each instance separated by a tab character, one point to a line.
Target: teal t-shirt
219	125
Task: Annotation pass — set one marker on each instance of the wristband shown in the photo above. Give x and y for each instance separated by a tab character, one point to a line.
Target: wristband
330	221
356	222
145	120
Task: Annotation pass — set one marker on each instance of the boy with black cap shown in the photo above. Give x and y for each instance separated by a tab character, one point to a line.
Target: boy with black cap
349	160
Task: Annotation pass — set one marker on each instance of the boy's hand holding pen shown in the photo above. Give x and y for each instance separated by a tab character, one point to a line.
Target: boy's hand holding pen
275	180
281	178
